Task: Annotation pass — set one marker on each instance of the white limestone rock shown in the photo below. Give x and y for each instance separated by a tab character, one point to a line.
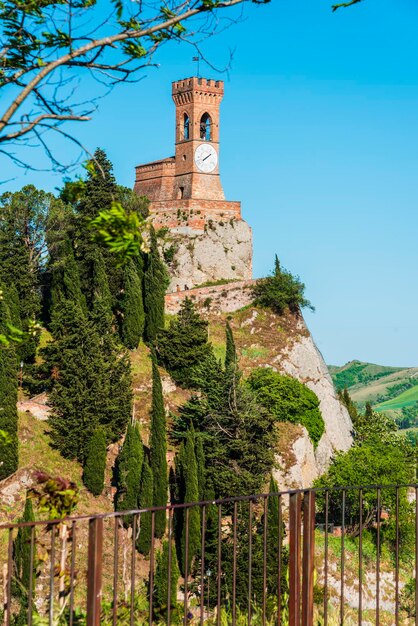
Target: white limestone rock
222	251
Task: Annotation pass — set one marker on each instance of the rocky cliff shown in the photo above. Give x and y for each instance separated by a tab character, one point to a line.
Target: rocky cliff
222	250
284	343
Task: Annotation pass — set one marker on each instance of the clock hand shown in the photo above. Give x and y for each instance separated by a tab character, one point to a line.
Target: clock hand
206	157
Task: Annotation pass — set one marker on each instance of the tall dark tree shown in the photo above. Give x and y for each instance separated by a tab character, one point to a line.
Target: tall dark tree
128	471
24	570
21	552
23	226
91	387
145	502
161	583
155	285
231	353
191	532
184	347
132	317
9	448
95	465
158	448
200	461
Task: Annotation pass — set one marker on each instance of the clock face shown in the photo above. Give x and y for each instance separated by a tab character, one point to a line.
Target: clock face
206	158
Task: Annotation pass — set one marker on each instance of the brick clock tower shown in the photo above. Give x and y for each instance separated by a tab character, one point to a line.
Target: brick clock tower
186	193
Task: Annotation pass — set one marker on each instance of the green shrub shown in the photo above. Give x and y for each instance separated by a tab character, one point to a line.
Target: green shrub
288	400
281	290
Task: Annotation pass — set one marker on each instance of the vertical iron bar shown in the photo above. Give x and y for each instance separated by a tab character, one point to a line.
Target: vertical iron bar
115	569
279	563
294	559
31	561
234	566
250	557
308	557
94	571
51	577
170	547
186	565
397	560
133	559
219	570
202	567
8	599
378	520
342	558
265	512
72	570
360	560
416	554
151	568
326	559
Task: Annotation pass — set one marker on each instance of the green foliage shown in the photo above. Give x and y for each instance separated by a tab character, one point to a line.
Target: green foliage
231	353
132	317
238	434
345	398
158	449
161	589
9	447
23	225
146	495
124	234
288	400
128	471
379	456
95	465
201	470
280	291
191	516
155	284
23	572
92	383
184	347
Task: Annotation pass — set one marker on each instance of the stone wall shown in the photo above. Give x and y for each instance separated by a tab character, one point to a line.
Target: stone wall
224	298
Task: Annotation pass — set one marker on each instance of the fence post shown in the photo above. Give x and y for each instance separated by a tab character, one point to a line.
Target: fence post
308	557
94	571
294	558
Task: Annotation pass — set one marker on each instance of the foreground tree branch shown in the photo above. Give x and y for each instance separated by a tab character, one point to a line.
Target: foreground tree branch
47	48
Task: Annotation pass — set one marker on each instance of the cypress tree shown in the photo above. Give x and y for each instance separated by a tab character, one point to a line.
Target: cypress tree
231	353
129	470
145	502
132	317
155	284
95	465
9	447
158	448
191	494
200	461
161	580
91	383
21	552
183	348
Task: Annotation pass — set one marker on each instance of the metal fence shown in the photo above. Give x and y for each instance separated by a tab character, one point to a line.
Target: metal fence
296	558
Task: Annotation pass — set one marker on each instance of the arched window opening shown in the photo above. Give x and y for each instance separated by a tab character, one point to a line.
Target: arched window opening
206	127
186	126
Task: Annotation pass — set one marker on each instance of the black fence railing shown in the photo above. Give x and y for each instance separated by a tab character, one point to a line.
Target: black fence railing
297	558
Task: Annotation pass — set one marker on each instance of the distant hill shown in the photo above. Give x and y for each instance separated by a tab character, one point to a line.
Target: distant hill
393	390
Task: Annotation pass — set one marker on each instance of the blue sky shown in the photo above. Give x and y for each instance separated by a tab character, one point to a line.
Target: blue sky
319	141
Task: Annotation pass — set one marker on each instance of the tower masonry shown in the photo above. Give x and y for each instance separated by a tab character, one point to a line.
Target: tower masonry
205	238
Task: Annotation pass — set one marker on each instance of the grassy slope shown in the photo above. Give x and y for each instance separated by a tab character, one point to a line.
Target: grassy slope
368	382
